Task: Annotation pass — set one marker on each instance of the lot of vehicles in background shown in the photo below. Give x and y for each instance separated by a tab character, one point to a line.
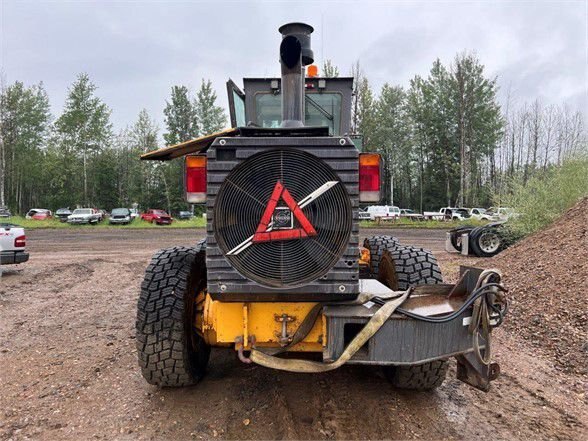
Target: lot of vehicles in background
39	214
84	216
12	244
159	217
120	216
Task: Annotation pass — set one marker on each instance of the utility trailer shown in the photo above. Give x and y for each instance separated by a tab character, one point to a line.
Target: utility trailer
281	271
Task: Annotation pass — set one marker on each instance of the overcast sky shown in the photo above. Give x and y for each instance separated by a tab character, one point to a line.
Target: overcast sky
135	51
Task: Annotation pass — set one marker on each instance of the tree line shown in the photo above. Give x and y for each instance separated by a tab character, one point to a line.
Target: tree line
78	159
444	140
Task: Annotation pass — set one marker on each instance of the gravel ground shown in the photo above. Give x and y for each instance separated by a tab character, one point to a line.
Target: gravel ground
69	367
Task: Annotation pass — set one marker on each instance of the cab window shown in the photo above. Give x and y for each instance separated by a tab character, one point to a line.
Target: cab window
322	109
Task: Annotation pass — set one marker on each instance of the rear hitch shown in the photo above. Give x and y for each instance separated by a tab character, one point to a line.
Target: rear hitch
240	347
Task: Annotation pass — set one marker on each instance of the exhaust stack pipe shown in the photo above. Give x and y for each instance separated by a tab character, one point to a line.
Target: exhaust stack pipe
295	53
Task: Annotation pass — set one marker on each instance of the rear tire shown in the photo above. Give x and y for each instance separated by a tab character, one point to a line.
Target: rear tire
407	266
400	269
170	351
377	245
421	377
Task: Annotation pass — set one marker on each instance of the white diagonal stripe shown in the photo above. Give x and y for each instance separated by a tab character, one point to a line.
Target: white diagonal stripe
303	203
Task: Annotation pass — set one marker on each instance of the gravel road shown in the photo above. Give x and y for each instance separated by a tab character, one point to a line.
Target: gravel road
69	370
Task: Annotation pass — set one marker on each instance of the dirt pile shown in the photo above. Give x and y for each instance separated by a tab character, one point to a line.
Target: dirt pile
547	274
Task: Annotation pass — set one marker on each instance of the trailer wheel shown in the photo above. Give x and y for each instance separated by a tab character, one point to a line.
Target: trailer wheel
418	377
486	242
400	269
377	245
170	352
406	266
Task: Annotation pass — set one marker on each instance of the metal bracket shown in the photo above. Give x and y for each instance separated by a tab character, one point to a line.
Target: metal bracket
471	371
283	337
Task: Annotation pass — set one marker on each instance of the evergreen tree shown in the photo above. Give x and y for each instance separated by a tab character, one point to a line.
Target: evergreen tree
210	117
24	128
180	117
84	128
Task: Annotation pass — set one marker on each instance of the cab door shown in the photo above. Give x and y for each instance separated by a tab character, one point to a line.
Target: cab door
236	105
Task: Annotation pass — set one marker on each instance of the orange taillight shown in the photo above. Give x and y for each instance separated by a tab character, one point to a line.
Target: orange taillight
369	177
195	179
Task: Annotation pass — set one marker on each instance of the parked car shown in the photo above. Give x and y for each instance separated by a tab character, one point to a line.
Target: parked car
384	212
160	217
185	215
410	214
12	244
134	213
84	216
39	214
120	216
481	214
62	214
502	213
5	212
363	214
448	213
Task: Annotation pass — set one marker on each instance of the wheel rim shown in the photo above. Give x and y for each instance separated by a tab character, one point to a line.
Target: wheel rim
489	242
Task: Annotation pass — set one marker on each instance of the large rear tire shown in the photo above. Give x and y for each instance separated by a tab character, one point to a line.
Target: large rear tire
421	377
377	245
406	266
170	352
400	269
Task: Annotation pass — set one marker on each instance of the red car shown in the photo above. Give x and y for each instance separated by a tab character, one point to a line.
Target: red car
160	217
39	214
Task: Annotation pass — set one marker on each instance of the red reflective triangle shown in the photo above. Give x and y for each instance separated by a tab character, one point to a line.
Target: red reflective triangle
262	235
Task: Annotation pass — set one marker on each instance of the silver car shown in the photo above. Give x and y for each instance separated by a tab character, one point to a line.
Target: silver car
120	216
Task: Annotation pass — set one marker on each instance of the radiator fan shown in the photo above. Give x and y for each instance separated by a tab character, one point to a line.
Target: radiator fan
292	246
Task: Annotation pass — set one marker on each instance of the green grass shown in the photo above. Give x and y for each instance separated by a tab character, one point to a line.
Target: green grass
200	222
431	224
196	222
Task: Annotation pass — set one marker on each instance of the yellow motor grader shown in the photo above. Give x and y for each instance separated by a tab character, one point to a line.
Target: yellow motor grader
281	271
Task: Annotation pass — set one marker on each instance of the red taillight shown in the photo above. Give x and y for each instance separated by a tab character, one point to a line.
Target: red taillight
196	179
20	241
369	177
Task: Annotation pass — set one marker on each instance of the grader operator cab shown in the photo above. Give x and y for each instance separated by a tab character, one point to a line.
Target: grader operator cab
281	270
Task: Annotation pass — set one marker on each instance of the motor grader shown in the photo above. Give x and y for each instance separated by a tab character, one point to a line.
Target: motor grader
281	277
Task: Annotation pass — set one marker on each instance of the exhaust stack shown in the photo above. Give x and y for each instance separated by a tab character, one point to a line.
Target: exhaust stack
295	53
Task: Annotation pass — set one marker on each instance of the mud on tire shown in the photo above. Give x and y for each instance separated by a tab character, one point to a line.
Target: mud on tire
377	245
418	377
169	350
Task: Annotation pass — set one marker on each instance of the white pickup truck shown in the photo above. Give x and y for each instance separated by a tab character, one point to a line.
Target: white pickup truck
450	213
12	244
